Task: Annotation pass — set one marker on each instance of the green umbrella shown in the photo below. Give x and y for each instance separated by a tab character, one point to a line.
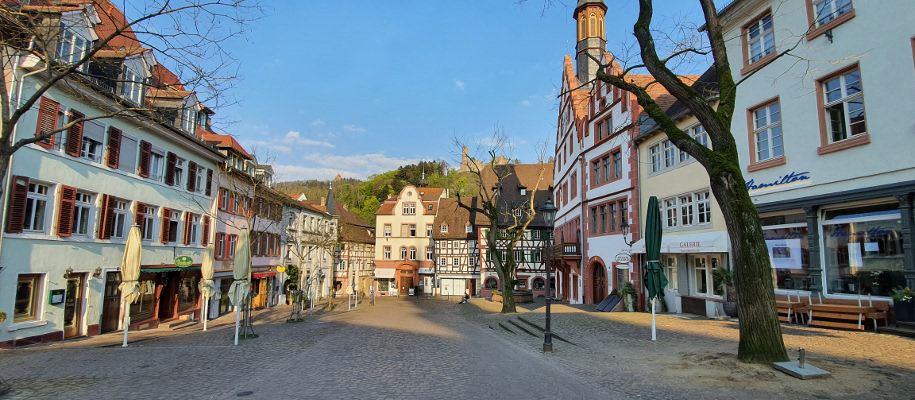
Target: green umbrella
655	281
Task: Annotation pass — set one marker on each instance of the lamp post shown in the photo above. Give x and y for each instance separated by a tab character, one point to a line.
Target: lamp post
549	213
624	227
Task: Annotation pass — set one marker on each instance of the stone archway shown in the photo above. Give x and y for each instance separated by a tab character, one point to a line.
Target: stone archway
598	282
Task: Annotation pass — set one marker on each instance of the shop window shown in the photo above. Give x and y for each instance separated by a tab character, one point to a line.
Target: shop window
491	283
28	295
789	250
700	276
144	306
672	280
187	293
537	284
863	250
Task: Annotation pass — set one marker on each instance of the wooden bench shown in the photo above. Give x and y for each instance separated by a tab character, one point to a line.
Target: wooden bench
791	306
847	313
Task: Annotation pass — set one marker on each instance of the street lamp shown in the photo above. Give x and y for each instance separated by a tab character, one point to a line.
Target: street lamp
549	213
624	226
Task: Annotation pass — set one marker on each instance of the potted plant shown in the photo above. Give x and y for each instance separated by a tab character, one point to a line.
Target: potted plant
627	292
904	304
2	316
724	286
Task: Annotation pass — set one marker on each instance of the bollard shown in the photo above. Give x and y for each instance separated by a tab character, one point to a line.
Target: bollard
800	359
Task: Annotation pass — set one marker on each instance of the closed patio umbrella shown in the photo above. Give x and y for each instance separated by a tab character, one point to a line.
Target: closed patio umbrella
207	288
655	281
241	271
130	274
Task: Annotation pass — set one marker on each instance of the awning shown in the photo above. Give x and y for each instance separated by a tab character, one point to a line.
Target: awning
262	274
427	271
170	269
384	273
708	242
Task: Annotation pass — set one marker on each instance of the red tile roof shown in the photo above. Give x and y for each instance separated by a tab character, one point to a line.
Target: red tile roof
387	208
226	141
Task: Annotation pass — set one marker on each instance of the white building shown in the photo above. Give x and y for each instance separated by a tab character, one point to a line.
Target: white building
833	183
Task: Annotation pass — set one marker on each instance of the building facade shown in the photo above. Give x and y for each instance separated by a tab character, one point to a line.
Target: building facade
456	252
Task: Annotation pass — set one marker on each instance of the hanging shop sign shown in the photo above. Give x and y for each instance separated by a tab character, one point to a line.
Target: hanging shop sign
184	262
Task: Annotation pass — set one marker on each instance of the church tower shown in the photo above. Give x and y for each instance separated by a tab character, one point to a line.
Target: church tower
589	15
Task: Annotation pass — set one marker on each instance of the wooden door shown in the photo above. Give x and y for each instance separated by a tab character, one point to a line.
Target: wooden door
599	284
73	306
111	304
406	282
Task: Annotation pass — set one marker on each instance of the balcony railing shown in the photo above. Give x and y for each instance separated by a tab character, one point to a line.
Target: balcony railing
565	249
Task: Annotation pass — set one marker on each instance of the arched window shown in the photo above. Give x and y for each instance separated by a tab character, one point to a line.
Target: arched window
412	253
538	283
581	28
491	283
403	253
600	26
592	29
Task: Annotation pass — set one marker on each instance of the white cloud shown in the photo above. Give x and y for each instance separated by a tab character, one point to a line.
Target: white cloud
294	137
353	128
360	165
318	122
252	146
298	172
459	84
526	103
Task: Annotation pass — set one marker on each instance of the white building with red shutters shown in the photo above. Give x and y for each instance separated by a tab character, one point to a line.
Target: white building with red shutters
70	201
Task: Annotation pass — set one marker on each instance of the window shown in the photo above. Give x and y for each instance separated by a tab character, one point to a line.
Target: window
387	230
617	165
409	208
220	244
612	211
473	262
127	156
230	246
387	252
669	154
36	207
594	220
523	191
156	165
517	212
595	177
428	230
600	130
603	219
844	106
670	210
655	155
686	210
403	253
91	143
444	228
829	10
72	47
442	261
455	261
672	283
701	277
469	228
606	163
173	227
518	255
201	173
429	254
132	88
81	211
767	127
430	207
413	253
412	230
194	230
455	244
760	39
704	207
189	119
28	295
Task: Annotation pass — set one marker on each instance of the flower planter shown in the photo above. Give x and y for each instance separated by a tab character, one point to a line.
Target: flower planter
905	311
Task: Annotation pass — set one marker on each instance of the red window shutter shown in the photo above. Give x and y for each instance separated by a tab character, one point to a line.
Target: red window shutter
219	248
232	203
65	216
145	155
254	240
15	216
625	103
192	177
187	228
209	188
106	218
140	216
75	134
171	161
222	199
205	239
114	147
47	121
166	221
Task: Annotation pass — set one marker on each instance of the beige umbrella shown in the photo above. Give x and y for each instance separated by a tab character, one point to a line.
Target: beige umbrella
207	288
130	274
241	270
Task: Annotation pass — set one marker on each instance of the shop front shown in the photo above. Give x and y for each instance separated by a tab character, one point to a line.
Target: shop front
384	280
262	288
165	293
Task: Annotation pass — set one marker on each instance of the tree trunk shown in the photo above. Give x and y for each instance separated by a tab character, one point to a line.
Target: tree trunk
4	168
760	331
508	296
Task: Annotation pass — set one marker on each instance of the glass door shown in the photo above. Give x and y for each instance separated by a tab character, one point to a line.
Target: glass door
73	306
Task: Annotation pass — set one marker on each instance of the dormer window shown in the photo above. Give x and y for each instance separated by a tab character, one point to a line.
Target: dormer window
189	119
523	191
203	121
71	48
133	87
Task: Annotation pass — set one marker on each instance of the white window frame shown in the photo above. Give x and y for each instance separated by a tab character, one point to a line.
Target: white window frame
430	253
121	217
671	215
72	47
761	35
444	228
83	206
133	87
654	154
403	253
195	230
157	165
703	201
670	153
767	132
149	224
37	199
844	101
387	252
387	229
199	184
837	8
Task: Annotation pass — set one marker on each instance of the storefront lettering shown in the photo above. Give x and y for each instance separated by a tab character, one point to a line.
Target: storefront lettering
878	231
786	236
689	244
782	180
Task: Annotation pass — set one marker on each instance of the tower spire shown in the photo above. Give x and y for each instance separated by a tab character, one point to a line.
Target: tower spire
591	35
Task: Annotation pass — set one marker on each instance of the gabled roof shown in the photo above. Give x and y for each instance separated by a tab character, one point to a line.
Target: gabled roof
456	217
226	142
111	18
430	194
387	208
165	79
519	175
580	97
706	84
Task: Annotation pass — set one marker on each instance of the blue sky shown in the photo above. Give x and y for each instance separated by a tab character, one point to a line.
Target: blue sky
364	86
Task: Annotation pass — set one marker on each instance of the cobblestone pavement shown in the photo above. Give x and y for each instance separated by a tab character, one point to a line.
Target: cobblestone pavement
399	348
697	357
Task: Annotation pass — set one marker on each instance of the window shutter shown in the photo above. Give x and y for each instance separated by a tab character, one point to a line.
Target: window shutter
192	177
205	239
15	216
171	160
47	121
222	198
106	218
166	221
114	146
140	216
65	216
145	155
187	228
209	188
75	134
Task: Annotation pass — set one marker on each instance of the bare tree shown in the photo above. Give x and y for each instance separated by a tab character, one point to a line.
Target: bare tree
305	240
508	221
61	49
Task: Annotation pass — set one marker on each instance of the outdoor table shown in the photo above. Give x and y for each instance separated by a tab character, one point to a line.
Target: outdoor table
840	309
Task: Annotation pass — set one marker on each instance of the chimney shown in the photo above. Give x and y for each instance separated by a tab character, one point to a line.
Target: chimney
324	201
